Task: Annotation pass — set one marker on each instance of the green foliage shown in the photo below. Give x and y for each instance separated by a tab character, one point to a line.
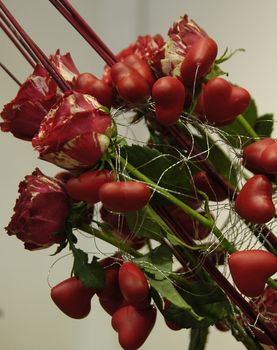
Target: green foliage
264	125
91	274
165	170
142	225
207	301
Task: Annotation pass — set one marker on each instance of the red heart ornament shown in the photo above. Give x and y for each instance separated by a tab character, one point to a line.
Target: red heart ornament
250	269
252	154
133	285
72	297
254	201
222	102
133	326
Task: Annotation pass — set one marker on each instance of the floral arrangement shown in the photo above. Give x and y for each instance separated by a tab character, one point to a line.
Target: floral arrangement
190	214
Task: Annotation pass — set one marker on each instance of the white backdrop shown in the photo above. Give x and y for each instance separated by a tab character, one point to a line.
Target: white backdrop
30	320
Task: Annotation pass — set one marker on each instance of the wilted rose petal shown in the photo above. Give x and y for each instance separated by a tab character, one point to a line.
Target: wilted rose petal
40	211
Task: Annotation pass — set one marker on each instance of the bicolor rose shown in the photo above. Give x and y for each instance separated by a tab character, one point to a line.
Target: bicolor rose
182	35
36	96
73	135
40	211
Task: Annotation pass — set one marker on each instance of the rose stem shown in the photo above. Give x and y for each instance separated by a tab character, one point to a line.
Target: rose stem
10	74
69	12
12	35
236	298
36	50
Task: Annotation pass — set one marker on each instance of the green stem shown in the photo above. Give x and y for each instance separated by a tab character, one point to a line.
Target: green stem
110	239
272	283
247	127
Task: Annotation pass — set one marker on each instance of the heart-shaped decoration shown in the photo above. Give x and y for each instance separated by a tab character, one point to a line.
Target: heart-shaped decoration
72	297
250	269
253	154
254	201
134	285
133	326
220	102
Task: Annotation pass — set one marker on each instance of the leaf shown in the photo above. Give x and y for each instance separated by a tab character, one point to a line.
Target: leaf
219	159
264	125
215	72
91	274
157	263
142	225
157	266
227	55
207	301
198	338
166	170
169	292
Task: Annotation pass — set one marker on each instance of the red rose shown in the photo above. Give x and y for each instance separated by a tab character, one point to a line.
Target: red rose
40	211
23	115
73	134
182	35
36	96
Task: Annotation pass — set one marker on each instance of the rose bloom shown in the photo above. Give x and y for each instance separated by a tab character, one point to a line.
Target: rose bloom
40	211
182	35
73	135
36	96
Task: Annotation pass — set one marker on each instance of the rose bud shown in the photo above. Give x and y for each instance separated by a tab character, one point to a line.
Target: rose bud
36	96
65	66
73	134
40	211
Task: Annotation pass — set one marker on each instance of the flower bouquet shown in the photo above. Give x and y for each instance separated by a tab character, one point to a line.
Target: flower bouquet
190	212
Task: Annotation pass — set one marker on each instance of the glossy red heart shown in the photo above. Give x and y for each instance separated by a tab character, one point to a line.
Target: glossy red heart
134	285
254	201
198	60
124	196
220	102
253	155
250	269
72	297
133	326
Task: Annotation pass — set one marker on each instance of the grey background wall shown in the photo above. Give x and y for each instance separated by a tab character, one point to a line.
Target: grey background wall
30	320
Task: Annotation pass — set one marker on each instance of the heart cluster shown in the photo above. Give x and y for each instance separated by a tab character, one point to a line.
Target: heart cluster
126	297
